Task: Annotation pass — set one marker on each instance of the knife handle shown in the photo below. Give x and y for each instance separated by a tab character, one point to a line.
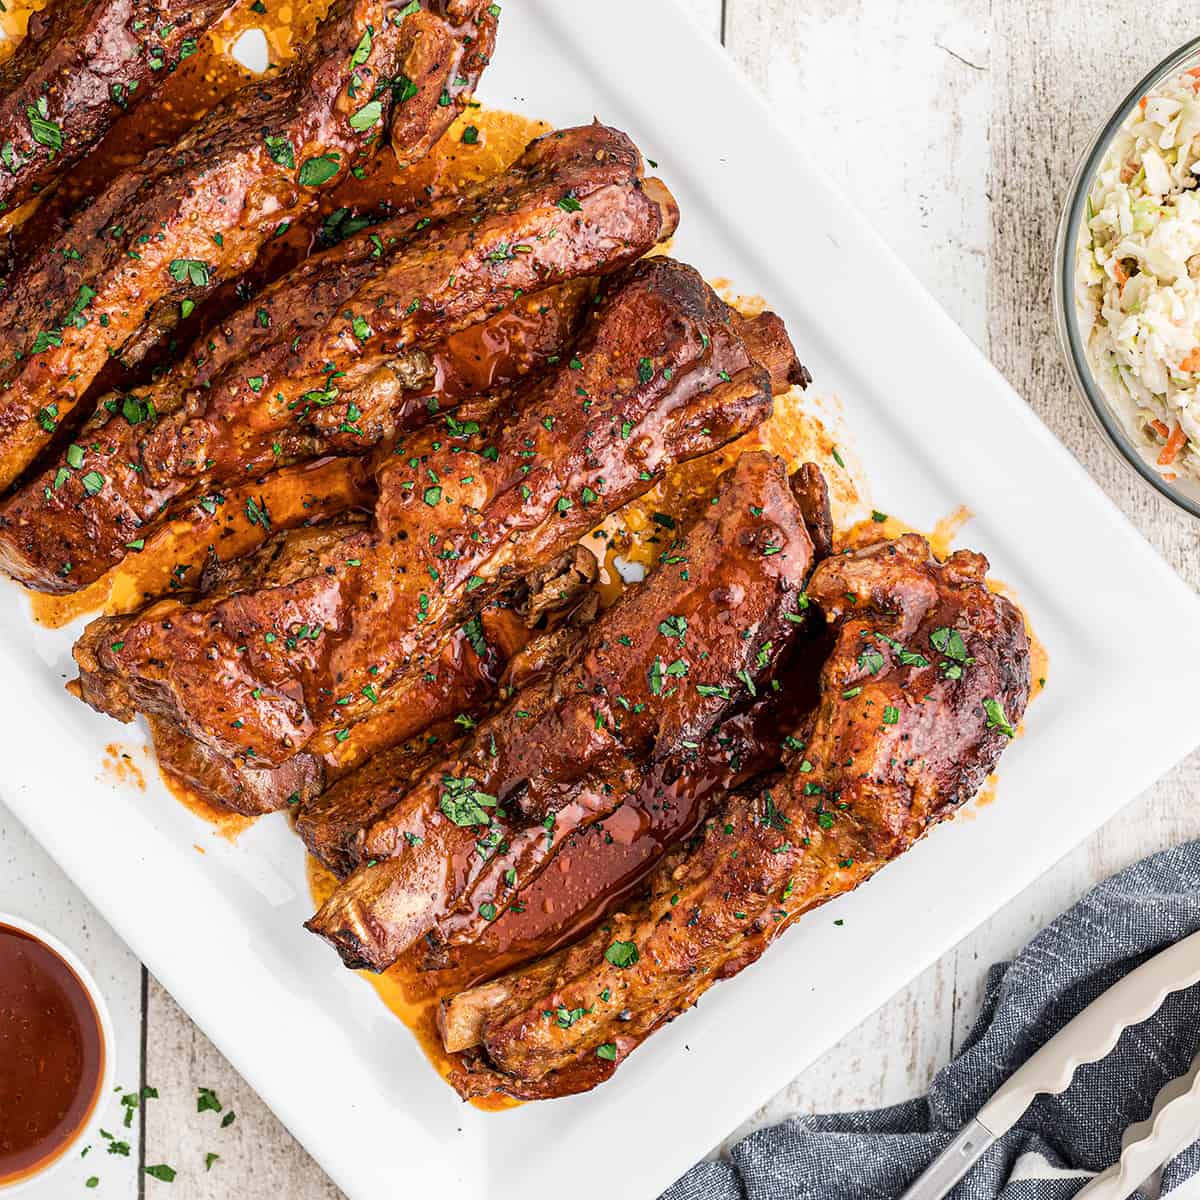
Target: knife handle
1094	1032
970	1144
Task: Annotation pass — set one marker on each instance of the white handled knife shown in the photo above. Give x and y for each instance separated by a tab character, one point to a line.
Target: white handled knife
1087	1038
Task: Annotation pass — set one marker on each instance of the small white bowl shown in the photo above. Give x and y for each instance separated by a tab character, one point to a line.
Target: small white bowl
108	1071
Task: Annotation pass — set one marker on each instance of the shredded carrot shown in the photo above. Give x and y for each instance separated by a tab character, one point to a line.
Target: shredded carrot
1192	362
1121	274
1142	103
1160	427
1193	71
1170	476
1175	443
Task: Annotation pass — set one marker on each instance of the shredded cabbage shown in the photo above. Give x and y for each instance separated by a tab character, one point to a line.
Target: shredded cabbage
1137	275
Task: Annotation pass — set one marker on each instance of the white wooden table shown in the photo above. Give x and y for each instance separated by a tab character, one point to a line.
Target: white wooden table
954	124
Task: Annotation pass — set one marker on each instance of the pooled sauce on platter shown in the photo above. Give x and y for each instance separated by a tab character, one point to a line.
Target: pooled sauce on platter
51	1055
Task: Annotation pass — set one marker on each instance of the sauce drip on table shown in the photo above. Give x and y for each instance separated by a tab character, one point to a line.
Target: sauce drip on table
51	1055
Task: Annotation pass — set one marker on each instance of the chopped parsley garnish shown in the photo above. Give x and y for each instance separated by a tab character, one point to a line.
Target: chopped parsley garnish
870	660
363	50
189	270
463	803
950	643
366	117
622	954
280	149
319	170
674	627
44	131
996	718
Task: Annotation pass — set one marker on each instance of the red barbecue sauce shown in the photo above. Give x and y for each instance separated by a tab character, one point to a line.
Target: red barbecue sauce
51	1055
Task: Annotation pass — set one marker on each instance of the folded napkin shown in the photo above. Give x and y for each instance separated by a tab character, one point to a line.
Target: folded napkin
1062	1140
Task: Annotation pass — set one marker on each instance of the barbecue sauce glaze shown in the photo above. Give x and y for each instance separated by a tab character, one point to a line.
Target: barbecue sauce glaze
51	1055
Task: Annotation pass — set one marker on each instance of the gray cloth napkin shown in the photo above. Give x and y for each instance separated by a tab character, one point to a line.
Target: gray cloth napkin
1062	1140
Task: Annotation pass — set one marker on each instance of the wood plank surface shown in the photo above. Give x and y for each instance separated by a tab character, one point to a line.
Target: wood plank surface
954	125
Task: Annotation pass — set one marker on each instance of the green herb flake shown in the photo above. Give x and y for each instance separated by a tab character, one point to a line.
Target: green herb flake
189	270
996	719
366	117
622	954
363	50
319	170
280	149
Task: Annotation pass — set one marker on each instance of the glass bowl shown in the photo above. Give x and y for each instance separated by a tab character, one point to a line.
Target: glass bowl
1122	440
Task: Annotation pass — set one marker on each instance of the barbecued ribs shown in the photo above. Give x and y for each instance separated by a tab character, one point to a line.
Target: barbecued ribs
653	676
660	374
323	361
195	214
503	369
463	681
927	679
332	825
80	66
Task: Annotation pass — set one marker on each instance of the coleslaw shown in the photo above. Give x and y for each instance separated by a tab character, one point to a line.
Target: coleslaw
1137	274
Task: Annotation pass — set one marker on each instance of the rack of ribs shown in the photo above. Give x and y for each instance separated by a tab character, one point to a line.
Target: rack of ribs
324	360
927	678
654	675
663	372
195	214
81	66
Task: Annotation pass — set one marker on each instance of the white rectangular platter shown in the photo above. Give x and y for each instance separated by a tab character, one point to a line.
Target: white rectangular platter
935	426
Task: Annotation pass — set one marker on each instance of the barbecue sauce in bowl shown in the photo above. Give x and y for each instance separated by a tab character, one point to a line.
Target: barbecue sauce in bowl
52	1055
